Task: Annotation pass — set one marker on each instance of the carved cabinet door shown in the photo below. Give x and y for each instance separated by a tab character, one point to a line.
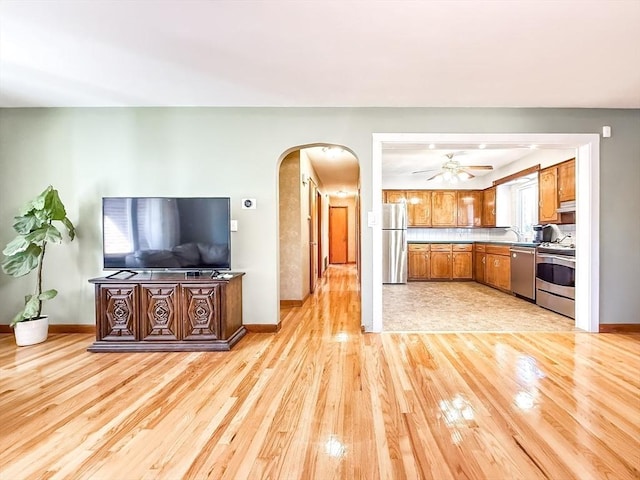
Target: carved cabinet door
201	311
159	312
117	313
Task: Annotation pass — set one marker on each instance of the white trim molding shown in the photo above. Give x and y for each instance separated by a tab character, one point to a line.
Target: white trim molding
587	209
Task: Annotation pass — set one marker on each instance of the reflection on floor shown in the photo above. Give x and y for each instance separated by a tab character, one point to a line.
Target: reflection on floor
463	306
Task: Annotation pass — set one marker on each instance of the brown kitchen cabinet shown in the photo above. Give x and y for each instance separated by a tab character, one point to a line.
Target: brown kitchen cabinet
470	208
153	312
548	195
567	181
419	208
479	263
419	267
462	261
441	261
444	208
418	205
489	207
498	266
394	196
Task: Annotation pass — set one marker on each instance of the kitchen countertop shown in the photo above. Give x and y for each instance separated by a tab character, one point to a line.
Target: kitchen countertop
443	241
493	242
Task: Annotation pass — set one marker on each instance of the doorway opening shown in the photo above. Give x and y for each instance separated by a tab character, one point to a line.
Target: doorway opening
312	181
338	235
587	211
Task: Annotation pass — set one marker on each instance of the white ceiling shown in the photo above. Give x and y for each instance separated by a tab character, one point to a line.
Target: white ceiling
337	168
411	159
466	53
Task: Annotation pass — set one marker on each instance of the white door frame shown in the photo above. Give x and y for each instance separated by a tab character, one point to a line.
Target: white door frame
587	209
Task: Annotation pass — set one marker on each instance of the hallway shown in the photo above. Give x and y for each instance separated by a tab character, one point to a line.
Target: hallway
321	400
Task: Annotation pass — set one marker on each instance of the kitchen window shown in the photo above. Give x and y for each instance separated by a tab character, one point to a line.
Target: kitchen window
527	207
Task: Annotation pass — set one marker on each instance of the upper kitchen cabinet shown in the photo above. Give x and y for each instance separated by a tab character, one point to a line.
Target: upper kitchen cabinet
489	207
567	181
444	211
470	208
548	195
394	196
419	208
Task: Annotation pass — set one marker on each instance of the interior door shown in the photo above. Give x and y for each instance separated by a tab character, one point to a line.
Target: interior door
320	213
313	237
338	230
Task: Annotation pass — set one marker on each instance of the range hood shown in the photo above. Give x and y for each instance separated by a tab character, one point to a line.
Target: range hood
567	207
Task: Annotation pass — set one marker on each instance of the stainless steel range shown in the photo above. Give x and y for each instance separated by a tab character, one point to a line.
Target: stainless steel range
556	278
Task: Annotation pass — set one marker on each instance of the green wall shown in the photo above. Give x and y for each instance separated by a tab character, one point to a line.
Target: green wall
93	152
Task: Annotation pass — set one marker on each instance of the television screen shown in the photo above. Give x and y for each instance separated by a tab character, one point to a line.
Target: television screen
153	233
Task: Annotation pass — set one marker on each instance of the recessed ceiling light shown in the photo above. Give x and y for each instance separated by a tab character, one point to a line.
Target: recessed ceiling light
482	146
533	146
332	152
432	146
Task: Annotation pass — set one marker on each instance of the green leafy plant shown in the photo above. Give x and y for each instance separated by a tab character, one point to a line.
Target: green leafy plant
25	253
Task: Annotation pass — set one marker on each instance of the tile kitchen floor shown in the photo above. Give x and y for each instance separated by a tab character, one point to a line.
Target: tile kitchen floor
464	307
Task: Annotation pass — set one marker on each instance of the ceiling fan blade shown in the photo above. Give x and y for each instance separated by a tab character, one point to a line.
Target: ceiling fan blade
431	178
478	167
468	173
425	171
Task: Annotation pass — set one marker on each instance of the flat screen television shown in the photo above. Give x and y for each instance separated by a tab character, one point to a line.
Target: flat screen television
165	233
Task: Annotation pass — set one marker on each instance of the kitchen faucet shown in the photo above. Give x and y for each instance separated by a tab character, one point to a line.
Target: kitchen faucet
515	230
568	235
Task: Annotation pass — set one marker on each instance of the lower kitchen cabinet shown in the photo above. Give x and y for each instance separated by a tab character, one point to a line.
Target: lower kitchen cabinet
462	262
498	267
419	267
479	263
441	261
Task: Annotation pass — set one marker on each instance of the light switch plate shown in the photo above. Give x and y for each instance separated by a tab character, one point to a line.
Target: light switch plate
234	225
248	203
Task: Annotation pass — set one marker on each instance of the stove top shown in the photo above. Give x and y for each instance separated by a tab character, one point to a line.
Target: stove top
557	248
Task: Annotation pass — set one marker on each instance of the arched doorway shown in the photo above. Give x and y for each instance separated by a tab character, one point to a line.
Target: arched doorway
311	179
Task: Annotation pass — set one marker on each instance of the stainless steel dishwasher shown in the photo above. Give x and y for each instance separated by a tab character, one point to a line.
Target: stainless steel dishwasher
523	271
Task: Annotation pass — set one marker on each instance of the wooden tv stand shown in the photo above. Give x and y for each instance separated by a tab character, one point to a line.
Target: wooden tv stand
167	312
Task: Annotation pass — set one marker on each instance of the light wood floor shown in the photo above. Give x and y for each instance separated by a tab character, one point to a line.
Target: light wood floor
320	400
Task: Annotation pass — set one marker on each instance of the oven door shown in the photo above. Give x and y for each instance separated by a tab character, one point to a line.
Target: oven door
556	274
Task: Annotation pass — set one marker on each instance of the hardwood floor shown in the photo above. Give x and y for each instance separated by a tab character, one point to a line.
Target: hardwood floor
320	400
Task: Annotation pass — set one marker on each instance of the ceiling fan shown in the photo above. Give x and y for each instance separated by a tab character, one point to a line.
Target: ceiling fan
453	171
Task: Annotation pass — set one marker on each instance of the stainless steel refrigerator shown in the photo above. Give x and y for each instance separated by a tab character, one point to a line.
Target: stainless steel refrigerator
394	243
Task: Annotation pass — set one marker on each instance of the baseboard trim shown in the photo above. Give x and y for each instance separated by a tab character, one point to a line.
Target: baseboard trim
619	328
59	328
293	303
263	328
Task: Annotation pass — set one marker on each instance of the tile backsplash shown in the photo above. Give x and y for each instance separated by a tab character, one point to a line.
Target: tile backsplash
477	234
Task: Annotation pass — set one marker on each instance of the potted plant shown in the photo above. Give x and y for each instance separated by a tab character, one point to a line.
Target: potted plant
25	253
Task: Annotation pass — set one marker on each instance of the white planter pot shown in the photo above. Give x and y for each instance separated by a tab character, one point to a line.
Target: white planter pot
31	332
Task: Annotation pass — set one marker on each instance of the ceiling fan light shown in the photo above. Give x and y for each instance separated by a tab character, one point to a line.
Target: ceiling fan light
438	178
463	176
447	175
